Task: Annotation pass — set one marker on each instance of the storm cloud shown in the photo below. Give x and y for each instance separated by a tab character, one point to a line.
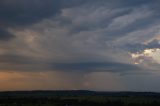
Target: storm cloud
22	12
90	37
19	13
84	32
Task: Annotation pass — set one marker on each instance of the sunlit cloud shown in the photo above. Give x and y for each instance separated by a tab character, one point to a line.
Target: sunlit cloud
148	55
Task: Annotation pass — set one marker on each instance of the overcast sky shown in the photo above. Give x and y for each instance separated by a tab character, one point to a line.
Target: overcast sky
106	45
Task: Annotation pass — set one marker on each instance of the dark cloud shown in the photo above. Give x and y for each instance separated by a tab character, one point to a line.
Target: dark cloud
22	12
136	15
140	47
132	3
5	35
95	66
26	63
153	44
26	11
15	13
83	41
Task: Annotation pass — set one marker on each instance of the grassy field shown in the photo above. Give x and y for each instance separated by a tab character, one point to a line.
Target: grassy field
78	98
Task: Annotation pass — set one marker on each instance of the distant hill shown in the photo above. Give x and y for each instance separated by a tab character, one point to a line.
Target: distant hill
76	93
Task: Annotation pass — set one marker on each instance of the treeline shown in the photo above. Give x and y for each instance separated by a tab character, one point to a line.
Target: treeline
78	98
79	101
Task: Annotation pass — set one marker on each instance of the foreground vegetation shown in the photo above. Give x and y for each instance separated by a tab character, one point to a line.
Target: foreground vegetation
78	99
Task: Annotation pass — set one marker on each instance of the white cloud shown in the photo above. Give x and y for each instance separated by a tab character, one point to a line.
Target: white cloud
147	58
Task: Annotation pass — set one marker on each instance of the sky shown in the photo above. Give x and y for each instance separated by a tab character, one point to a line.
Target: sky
101	45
